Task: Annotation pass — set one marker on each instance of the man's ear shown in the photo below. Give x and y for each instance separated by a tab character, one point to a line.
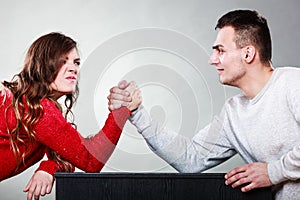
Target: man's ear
249	53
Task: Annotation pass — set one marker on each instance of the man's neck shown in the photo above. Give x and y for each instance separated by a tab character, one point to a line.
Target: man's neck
256	79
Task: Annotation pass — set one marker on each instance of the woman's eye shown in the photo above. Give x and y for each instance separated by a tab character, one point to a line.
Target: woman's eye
77	63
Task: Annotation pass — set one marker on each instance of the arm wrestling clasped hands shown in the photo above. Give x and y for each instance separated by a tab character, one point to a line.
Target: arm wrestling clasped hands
128	95
248	177
124	94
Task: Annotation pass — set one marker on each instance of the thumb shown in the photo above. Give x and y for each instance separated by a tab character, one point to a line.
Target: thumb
123	84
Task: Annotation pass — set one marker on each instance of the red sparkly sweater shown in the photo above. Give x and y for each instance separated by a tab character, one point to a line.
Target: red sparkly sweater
54	132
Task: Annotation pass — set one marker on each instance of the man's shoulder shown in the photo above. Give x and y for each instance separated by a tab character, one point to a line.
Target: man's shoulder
288	70
288	74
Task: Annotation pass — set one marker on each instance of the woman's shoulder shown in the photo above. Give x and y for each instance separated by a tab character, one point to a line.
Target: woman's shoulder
5	96
50	110
48	104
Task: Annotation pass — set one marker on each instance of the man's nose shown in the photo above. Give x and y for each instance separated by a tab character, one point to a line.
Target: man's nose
214	59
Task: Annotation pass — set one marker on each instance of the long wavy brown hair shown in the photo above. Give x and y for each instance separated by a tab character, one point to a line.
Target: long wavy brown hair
43	61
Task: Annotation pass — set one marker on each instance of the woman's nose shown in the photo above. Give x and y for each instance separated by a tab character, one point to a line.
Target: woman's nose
73	69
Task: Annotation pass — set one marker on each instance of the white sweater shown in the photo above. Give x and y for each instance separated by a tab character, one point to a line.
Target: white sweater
263	129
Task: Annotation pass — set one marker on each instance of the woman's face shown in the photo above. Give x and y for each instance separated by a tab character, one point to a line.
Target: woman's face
66	79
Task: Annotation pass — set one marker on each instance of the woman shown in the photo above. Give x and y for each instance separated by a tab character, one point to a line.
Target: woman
32	123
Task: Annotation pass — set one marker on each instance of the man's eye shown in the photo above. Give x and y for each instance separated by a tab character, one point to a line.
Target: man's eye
77	63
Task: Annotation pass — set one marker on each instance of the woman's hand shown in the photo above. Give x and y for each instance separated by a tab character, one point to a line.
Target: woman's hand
40	184
125	94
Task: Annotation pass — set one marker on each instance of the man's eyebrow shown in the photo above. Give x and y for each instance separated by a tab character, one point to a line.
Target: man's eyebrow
217	46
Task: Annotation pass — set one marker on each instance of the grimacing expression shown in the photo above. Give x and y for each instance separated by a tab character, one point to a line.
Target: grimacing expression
66	79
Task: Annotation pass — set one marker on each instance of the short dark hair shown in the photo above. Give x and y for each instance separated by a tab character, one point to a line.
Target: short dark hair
251	29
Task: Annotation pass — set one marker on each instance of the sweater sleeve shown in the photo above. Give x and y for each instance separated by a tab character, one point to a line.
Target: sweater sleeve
88	154
50	166
287	167
209	147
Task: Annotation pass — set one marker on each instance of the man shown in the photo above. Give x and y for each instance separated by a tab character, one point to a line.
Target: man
262	124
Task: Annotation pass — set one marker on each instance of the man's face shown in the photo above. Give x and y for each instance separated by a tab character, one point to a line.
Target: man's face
228	58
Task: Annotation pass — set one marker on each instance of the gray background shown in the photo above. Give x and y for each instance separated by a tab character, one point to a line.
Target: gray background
163	45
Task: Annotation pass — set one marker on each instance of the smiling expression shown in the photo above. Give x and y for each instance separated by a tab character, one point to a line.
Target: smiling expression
228	58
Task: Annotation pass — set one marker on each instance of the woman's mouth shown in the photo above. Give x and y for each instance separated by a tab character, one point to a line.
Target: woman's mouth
71	78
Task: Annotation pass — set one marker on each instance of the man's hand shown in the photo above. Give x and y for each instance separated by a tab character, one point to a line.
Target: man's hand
125	94
136	100
250	176
118	96
40	184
